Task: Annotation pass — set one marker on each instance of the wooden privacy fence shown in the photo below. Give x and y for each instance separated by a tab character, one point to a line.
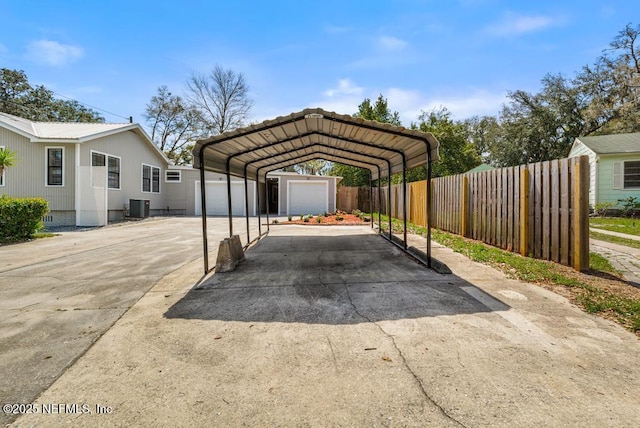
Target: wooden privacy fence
539	210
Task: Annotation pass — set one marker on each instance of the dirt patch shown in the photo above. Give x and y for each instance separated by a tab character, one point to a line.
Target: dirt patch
330	219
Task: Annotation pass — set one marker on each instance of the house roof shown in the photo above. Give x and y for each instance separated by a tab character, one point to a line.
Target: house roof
315	134
480	168
70	132
612	144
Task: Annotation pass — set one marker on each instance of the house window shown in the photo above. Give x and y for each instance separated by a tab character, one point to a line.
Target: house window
113	170
632	175
150	179
55	166
173	176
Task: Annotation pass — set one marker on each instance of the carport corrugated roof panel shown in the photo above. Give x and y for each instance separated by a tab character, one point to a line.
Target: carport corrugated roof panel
307	132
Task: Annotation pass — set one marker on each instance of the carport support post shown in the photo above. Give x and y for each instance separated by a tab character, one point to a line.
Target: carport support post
404	198
203	206
379	201
371	197
258	203
266	199
246	202
429	195
389	206
229	201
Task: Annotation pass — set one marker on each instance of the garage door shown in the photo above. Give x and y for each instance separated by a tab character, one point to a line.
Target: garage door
217	198
307	197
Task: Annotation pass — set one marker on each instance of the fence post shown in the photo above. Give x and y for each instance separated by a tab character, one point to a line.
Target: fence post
524	212
581	213
464	207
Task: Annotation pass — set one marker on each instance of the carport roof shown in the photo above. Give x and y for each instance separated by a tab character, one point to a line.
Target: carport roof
315	133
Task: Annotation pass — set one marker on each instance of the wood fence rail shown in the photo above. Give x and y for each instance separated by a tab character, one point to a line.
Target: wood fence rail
539	210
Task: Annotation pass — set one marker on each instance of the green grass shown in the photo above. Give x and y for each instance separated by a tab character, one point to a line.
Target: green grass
630	226
602	264
615	239
594	300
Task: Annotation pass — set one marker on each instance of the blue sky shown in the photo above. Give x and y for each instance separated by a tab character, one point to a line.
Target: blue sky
421	54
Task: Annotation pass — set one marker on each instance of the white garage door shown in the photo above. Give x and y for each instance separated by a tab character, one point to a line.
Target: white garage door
217	198
307	197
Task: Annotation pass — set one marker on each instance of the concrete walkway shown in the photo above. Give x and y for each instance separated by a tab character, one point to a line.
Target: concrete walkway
623	258
333	326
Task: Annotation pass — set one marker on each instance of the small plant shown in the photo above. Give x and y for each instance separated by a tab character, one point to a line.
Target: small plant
276	221
318	219
306	219
301	216
629	205
7	159
339	218
356	212
289	218
326	214
601	208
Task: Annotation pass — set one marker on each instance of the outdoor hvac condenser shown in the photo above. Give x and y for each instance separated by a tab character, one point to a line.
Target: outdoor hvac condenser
139	208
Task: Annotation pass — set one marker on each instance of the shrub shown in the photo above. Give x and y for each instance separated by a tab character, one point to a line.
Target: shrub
306	219
289	218
602	208
20	218
629	205
318	219
339	218
276	221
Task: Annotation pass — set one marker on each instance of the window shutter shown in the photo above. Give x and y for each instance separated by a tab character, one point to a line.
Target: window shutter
617	175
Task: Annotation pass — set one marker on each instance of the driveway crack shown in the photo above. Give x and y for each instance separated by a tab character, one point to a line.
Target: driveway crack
416	378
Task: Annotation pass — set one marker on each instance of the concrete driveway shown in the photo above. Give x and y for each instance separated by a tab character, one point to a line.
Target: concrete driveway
332	326
59	295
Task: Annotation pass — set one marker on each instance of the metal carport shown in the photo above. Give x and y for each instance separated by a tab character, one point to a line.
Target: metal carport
381	148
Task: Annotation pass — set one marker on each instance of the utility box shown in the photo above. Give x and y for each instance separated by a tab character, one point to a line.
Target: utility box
139	208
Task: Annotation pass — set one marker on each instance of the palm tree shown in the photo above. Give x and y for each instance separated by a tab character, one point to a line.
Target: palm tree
7	159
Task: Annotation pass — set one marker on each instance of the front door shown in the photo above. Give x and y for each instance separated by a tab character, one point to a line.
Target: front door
273	196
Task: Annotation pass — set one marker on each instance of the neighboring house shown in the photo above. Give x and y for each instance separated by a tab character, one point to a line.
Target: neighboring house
614	166
480	168
90	173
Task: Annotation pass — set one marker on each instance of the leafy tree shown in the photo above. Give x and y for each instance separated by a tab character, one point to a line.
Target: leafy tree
174	125
457	154
483	132
313	167
19	98
612	86
539	127
222	97
351	176
379	111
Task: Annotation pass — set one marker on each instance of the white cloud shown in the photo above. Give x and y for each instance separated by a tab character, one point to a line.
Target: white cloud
390	43
513	24
345	87
49	52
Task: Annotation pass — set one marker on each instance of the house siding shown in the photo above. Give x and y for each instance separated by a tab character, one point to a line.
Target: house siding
579	149
606	192
133	153
27	177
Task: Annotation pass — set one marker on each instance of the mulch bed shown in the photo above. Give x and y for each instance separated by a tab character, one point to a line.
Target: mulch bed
347	219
